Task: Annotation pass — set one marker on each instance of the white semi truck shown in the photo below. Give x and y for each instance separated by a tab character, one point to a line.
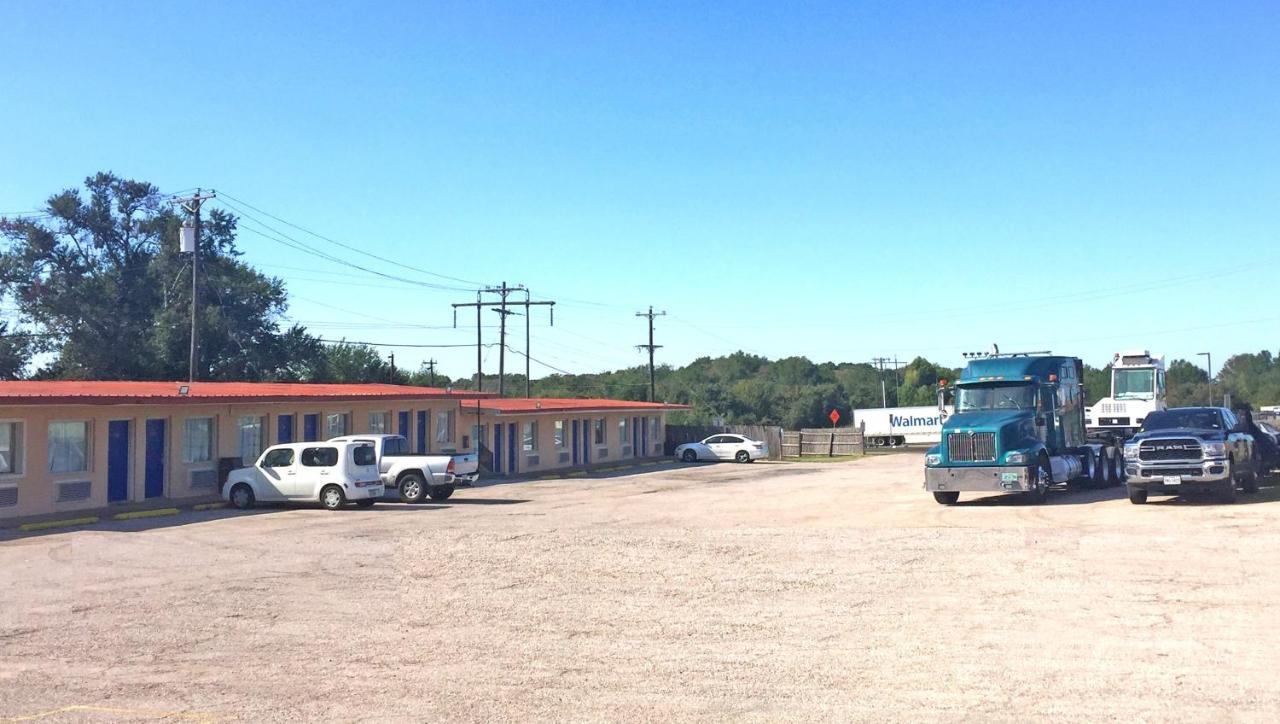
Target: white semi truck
1137	390
895	426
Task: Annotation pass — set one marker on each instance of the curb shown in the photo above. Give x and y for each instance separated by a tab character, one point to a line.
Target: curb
208	506
153	513
66	523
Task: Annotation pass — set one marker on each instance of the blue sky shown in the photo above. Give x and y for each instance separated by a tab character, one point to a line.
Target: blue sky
840	181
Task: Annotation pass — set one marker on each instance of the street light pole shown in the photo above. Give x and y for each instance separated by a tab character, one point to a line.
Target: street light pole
1209	370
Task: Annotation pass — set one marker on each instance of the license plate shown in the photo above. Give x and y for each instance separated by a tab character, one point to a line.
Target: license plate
375	492
1173	480
1008	477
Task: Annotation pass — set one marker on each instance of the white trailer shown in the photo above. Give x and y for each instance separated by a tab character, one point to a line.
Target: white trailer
894	426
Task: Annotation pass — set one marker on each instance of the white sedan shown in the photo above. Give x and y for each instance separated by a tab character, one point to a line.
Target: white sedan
723	447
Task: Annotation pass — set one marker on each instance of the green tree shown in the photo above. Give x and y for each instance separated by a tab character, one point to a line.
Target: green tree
1097	384
16	349
1186	384
103	279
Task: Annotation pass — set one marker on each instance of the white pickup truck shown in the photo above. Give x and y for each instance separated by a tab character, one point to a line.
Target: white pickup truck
417	476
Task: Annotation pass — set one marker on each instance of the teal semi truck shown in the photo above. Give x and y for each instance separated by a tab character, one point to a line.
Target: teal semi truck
1019	427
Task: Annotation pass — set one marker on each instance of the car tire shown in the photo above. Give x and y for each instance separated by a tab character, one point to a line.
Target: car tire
366	502
331	497
440	492
742	456
241	496
946	497
689	456
1039	492
413	488
1137	496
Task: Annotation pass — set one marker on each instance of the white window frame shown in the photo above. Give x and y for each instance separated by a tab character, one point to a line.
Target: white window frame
444	432
88	446
213	439
624	431
561	439
529	437
262	437
386	422
328	426
17	449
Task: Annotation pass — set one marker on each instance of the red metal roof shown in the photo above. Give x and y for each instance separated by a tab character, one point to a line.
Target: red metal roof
522	405
89	392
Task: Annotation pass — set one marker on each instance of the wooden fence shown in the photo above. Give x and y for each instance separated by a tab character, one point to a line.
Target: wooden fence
680	434
829	442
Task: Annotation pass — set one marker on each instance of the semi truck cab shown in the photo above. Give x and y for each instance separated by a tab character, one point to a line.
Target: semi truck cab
1018	427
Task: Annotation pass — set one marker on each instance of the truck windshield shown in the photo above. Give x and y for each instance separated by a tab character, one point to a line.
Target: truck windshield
1193	419
1135	384
996	397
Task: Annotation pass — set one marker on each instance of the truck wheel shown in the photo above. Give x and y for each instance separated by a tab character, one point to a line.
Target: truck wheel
946	497
1040	485
1099	471
1137	496
332	498
242	496
412	488
1117	467
440	492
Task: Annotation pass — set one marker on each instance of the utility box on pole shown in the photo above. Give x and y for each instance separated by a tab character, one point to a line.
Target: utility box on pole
187	239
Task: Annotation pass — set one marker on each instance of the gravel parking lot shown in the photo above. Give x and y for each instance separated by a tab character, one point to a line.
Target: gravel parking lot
760	592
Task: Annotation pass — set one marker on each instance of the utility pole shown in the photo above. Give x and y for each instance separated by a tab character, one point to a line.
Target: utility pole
880	362
191	204
431	367
393	368
501	308
1208	363
650	347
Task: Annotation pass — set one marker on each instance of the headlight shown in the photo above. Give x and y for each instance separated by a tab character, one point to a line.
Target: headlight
1131	452
932	459
1015	458
1215	449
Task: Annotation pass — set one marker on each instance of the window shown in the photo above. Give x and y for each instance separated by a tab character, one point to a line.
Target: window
530	437
278	458
379	422
364	454
653	429
251	438
395	447
560	440
444	426
335	425
197	440
68	447
599	430
624	433
320	457
10	448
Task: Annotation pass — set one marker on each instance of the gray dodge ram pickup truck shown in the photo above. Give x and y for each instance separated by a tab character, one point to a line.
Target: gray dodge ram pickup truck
1190	450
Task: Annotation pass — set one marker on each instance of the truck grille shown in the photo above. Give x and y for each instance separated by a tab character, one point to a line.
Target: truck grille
970	447
1112	408
1176	449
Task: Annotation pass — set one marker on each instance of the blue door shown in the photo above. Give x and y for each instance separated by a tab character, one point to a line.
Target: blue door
310	428
497	448
117	461
153	475
284	428
644	437
575	442
635	437
402	424
588	434
422	431
512	458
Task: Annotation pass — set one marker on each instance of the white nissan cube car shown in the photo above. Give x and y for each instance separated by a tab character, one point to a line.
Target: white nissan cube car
332	474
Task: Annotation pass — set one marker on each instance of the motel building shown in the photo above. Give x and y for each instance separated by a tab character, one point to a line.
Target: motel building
74	445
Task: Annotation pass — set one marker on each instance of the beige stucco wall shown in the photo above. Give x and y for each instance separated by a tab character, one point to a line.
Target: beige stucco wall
37	488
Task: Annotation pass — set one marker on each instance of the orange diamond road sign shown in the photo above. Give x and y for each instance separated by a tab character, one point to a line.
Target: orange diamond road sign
835	417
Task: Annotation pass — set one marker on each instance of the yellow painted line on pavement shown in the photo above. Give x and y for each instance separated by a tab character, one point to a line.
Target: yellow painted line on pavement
66	523
549	477
153	513
578	474
208	506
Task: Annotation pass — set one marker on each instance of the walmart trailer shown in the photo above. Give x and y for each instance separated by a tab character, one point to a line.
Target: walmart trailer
894	426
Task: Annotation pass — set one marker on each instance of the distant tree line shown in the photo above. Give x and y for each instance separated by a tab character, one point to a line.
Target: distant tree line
95	286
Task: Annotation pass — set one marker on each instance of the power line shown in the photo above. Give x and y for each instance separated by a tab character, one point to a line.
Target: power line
348	247
406	346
